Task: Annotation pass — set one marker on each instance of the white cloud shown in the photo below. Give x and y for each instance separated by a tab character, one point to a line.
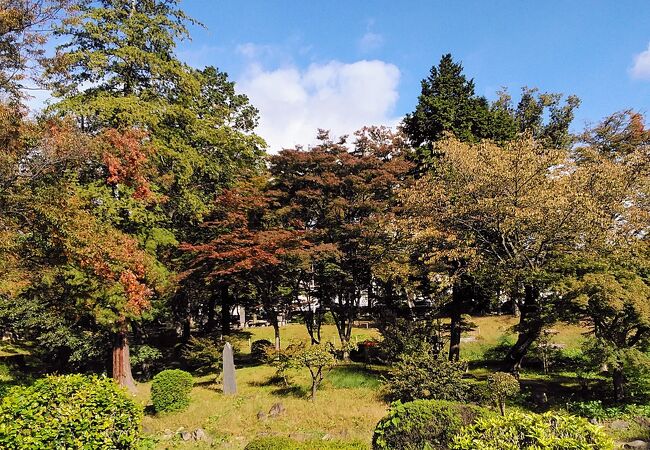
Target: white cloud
370	41
641	67
341	97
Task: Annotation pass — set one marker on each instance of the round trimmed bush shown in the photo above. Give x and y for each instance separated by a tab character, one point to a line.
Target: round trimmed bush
69	411
413	425
520	431
258	349
170	390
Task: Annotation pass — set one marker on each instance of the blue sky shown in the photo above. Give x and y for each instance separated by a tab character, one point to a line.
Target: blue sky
342	64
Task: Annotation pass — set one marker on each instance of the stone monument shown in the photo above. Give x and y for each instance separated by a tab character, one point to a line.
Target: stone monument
229	382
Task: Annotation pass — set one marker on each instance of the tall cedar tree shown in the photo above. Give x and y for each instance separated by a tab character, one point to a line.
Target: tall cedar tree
116	69
337	195
68	276
249	249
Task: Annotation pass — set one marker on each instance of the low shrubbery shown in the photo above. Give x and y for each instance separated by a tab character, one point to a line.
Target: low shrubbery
519	431
203	353
501	386
260	350
596	410
170	390
70	411
426	376
284	443
423	424
143	359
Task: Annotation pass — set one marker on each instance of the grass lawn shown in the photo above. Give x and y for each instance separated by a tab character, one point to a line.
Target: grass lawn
347	407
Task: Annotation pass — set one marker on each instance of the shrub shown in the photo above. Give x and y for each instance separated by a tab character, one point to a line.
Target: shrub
519	431
415	425
426	376
259	350
595	409
202	353
170	390
143	358
401	336
69	411
500	386
284	443
285	360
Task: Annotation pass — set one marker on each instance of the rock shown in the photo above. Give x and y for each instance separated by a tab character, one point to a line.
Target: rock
276	410
167	434
619	425
200	435
229	382
327	437
186	435
637	445
261	415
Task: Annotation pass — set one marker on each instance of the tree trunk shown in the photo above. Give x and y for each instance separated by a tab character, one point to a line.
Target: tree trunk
455	326
210	313
226	304
618	380
276	330
122	362
530	328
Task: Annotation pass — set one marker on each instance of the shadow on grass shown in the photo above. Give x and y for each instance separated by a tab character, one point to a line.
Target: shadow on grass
271	381
293	391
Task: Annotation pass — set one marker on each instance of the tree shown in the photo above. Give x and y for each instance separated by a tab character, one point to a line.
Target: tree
248	249
316	358
611	289
336	195
22	36
448	104
519	207
71	277
116	70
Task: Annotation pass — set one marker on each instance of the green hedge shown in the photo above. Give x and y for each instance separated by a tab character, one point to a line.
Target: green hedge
414	425
285	443
69	412
170	390
520	431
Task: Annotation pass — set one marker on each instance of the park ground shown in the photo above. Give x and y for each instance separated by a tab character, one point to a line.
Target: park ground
350	402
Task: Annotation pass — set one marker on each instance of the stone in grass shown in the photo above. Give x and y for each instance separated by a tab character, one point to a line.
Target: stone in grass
261	415
637	445
186	435
200	435
276	410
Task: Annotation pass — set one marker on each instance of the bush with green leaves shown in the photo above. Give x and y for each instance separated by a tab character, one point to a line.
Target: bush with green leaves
594	409
401	336
520	431
69	411
421	423
285	443
259	350
501	386
170	390
203	353
143	358
426	376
